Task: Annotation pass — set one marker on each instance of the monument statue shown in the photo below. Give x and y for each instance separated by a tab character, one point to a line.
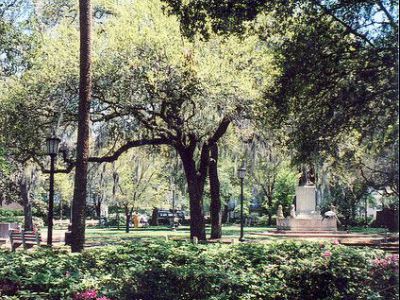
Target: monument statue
306	214
280	218
310	176
279	213
307	176
292	211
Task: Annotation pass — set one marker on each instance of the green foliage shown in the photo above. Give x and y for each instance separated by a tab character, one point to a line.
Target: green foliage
180	270
39	210
141	184
348	78
140	59
4	164
342	78
8	188
222	17
337	76
285	187
16	42
17	216
4	212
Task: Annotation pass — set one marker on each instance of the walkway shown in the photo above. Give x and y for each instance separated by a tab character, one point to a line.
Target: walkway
388	242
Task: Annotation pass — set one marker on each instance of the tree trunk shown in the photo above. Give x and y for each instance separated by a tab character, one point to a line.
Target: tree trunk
82	153
154	217
195	189
128	217
97	205
117	218
225	214
269	202
61	209
27	203
353	211
215	205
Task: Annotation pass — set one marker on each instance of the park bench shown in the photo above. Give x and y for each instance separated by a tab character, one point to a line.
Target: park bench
27	239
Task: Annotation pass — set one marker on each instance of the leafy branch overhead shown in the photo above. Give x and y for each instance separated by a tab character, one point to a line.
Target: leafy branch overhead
337	61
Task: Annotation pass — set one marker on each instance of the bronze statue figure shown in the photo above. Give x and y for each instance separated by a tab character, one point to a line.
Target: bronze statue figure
307	176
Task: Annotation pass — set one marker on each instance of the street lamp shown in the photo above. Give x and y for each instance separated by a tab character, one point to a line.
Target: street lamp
52	150
241	174
173	208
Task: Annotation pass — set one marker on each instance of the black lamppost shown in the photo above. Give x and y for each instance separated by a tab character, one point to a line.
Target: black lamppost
366	212
52	150
173	208
241	174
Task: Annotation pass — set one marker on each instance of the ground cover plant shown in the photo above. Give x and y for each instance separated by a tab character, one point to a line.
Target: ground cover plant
181	270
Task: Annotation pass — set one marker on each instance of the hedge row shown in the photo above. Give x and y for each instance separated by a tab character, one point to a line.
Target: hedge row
180	270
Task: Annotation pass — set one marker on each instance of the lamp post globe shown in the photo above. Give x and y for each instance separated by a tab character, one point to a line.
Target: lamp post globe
242	172
241	175
52	144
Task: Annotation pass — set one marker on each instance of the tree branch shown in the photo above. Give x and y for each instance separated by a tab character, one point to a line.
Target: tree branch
388	15
127	146
67	170
222	127
204	161
347	26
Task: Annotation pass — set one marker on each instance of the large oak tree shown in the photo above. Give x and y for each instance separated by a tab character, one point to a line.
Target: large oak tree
151	86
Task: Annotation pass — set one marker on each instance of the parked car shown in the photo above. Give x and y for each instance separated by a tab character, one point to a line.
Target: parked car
165	217
144	220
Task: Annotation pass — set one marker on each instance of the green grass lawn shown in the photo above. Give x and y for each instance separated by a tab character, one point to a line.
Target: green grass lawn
370	230
109	235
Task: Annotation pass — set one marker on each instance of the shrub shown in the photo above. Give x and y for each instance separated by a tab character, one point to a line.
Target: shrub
180	270
10	215
384	276
263	220
4	212
17	216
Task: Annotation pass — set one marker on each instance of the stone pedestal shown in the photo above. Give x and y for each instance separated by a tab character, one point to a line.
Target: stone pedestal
307	217
311	223
305	200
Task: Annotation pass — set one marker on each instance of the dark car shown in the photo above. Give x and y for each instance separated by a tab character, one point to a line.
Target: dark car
165	217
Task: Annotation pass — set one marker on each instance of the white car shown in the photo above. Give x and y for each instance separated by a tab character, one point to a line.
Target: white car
144	220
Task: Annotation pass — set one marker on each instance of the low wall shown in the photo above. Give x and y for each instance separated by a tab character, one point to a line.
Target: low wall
307	224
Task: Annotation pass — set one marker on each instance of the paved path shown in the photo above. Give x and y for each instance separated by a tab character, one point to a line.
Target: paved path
388	242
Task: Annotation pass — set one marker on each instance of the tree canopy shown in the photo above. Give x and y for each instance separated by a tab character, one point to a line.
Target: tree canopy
204	85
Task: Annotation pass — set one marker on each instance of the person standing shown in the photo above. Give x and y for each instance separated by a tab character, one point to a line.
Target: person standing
136	219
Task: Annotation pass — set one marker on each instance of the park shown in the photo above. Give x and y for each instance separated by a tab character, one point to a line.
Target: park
199	149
